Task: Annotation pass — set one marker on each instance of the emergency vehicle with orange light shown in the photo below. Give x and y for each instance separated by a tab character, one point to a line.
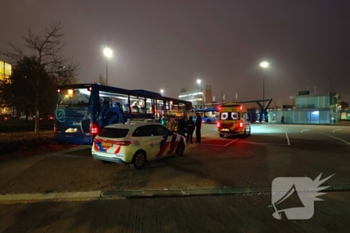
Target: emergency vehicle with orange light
233	120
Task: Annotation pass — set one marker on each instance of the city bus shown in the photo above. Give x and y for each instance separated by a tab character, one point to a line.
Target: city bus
209	115
233	120
82	110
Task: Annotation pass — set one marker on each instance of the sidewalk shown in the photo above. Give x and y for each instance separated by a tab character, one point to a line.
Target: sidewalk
213	213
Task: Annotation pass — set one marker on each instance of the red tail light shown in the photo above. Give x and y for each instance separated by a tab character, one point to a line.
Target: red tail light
119	143
122	143
218	124
94	129
241	124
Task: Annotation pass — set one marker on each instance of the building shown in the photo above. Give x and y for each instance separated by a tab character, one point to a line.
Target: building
310	109
5	70
200	97
5	73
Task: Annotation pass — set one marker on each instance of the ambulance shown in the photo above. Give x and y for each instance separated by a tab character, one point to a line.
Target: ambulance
233	120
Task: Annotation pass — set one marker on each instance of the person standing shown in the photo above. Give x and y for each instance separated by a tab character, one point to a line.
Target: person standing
181	126
198	127
189	129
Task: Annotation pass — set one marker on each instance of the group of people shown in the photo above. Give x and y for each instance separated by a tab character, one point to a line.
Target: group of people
186	128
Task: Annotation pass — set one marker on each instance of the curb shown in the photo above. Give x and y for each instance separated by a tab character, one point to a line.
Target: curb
40	197
129	194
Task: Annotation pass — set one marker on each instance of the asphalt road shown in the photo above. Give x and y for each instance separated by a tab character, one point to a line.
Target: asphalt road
216	166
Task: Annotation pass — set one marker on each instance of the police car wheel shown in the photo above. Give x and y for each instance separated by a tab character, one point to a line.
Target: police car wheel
180	149
139	160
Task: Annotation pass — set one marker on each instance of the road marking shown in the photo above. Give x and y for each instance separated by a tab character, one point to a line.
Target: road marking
304	130
287	139
335	130
231	142
348	143
208	134
263	143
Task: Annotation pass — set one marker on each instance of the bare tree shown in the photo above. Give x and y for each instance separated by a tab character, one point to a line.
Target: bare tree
47	50
101	80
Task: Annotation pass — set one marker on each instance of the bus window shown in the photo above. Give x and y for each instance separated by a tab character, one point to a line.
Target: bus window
142	105
74	97
150	106
134	104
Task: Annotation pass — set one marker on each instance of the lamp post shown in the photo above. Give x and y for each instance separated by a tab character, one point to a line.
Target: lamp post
198	95
108	53
264	65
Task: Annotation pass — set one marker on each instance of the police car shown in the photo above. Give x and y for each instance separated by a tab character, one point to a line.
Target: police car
136	143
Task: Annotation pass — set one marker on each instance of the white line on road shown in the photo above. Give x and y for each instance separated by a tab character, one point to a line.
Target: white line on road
287	139
208	134
304	130
335	130
348	143
231	142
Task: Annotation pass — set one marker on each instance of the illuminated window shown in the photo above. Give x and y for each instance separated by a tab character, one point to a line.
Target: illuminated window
5	70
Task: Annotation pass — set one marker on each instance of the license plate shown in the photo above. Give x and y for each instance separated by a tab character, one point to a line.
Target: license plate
225	130
107	144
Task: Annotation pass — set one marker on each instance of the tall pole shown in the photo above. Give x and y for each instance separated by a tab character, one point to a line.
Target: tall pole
264	65
108	53
107	71
263	89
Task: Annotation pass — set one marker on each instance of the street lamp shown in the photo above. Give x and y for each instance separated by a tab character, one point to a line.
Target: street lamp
264	65
161	91
199	82
198	95
108	53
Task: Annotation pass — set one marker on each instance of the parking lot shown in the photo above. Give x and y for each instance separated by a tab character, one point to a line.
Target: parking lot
254	162
225	181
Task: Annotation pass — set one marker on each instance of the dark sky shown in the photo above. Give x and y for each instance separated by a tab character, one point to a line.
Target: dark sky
169	44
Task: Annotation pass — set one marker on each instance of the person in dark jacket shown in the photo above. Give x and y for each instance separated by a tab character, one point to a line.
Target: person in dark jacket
181	126
198	128
189	129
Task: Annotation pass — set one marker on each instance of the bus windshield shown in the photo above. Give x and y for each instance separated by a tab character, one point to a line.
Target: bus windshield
73	97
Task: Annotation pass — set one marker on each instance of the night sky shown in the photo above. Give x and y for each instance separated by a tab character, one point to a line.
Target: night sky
170	44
